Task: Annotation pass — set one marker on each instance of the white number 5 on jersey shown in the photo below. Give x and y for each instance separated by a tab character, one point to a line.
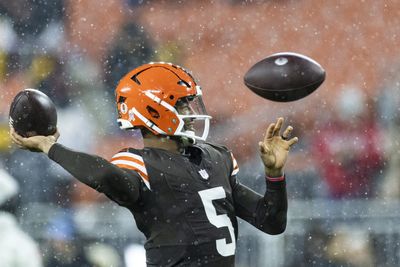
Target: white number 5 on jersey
221	220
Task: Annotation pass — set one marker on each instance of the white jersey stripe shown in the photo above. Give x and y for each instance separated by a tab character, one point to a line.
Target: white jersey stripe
130	163
235	171
235	166
146	182
128	154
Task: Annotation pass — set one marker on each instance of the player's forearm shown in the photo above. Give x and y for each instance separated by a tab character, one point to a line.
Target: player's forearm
118	184
89	169
272	211
268	212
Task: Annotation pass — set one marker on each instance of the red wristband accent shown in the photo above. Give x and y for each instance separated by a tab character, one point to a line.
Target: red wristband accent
275	179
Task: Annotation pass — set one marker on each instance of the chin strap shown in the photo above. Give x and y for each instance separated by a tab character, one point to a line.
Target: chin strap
184	142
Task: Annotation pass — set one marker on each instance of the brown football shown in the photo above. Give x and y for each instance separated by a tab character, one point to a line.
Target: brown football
285	77
33	113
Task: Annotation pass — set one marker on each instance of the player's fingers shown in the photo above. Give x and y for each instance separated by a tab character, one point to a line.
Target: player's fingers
278	126
15	140
293	141
17	136
270	132
21	146
11	131
261	146
19	140
13	135
287	132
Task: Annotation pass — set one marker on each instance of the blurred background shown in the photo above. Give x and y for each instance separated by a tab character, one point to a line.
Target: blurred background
343	175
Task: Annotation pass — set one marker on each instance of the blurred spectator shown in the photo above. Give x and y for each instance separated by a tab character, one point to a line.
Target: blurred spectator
30	18
64	248
17	249
38	184
348	148
313	248
389	111
8	55
305	182
103	255
338	247
350	247
132	47
49	75
5	141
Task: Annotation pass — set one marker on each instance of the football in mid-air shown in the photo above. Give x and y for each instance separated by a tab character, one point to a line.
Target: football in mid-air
33	113
284	77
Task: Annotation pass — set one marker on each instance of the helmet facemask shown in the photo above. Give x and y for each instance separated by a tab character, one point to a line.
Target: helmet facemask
194	121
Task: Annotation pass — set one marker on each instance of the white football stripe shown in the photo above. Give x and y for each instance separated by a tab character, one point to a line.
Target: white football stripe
130	163
128	154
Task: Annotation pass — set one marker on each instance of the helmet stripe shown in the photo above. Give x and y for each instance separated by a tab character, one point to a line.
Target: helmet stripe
159	101
148	123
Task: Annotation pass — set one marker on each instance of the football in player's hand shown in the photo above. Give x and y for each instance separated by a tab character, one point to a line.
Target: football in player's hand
284	77
33	113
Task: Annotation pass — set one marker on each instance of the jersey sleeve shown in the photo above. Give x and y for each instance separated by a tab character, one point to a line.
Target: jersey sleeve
120	185
267	213
127	159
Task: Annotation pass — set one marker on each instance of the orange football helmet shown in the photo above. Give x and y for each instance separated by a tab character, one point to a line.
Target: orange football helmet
147	97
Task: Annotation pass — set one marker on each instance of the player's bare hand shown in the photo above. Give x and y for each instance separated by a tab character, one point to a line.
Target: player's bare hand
38	143
275	148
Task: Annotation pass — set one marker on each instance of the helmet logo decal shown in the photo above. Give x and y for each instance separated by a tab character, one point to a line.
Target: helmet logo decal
124	108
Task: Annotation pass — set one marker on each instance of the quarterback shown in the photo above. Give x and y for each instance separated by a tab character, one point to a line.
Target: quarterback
183	191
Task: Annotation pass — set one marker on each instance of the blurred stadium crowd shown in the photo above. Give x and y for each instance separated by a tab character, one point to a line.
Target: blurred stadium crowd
76	51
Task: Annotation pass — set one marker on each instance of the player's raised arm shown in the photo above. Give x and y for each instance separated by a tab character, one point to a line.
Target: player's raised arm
120	185
268	212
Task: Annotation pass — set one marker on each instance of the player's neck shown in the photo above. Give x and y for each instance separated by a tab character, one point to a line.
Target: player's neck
162	142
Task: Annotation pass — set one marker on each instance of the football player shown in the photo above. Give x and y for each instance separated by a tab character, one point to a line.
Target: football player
183	192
